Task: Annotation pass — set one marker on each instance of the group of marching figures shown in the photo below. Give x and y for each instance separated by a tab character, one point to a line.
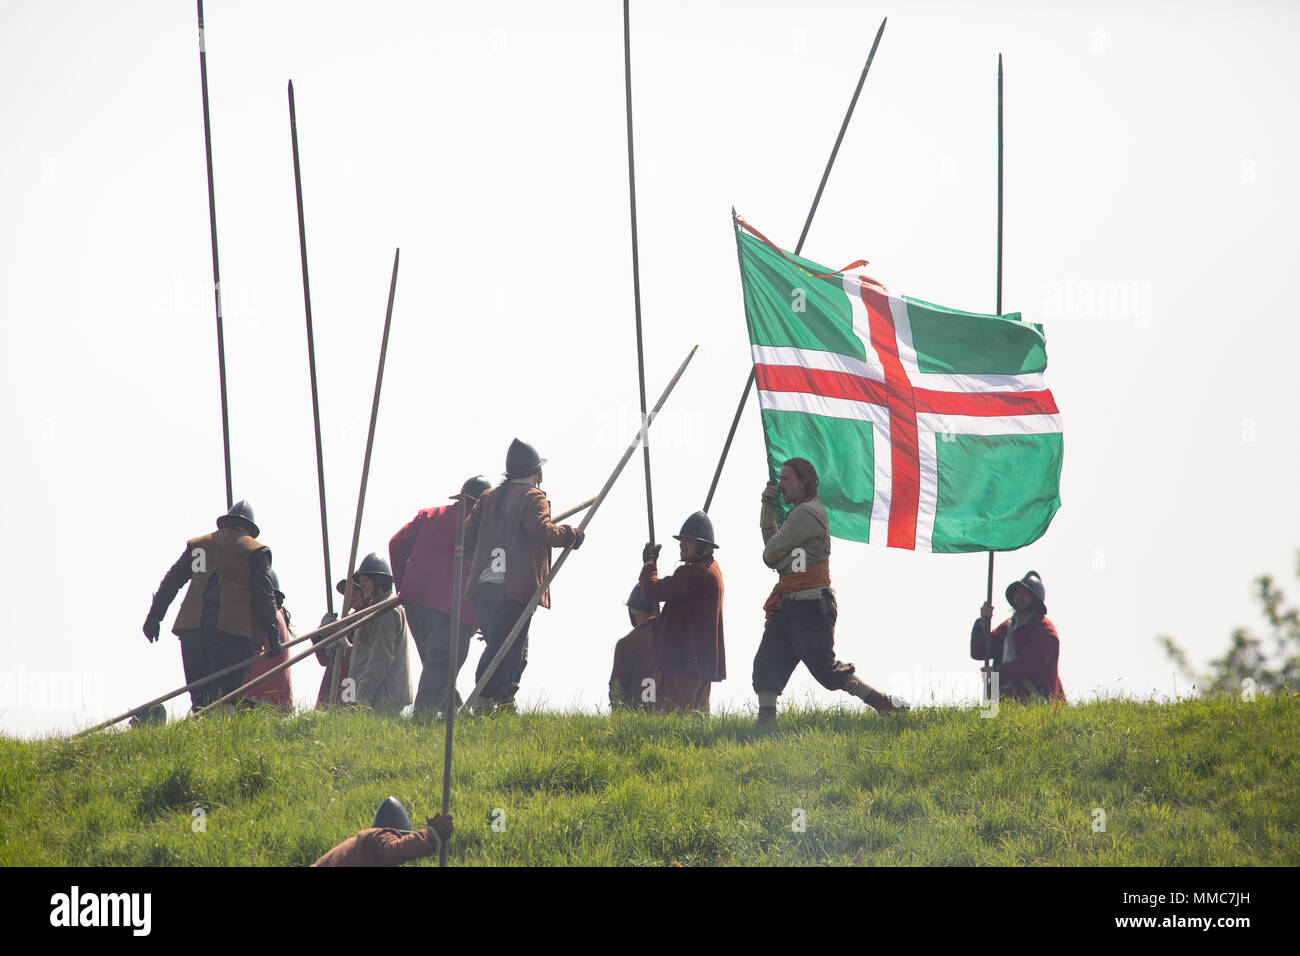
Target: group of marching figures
234	609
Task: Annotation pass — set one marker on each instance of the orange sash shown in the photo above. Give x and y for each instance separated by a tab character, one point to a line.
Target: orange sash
818	576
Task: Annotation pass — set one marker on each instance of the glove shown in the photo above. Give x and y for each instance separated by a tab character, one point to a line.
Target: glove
329	617
771	493
151	630
650	553
578	537
441	825
274	648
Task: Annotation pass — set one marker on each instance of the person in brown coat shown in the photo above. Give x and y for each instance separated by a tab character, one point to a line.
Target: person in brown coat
689	654
510	534
389	840
631	682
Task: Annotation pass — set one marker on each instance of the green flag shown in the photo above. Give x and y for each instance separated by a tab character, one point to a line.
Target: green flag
931	429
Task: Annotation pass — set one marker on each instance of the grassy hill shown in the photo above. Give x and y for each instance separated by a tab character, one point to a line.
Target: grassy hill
1192	783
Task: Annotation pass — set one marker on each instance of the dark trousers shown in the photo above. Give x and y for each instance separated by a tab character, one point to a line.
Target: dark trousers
432	633
801	631
496	617
207	651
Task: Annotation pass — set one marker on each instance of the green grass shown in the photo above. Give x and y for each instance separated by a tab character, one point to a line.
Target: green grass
1194	783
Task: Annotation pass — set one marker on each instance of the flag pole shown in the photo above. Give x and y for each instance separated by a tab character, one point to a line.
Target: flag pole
458	565
365	474
311	352
988	599
636	266
216	266
749	383
559	563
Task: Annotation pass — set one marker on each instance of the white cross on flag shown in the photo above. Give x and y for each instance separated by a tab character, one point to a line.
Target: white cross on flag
931	429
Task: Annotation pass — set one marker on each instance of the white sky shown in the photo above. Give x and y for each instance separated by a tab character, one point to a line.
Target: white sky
1151	209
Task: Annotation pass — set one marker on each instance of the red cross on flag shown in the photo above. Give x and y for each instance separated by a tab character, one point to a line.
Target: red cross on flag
931	429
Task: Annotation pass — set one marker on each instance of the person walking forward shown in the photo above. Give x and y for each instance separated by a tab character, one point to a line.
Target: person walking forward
801	610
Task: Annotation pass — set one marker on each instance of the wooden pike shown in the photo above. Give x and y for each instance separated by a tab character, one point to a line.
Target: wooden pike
749	383
458	565
311	351
365	474
216	264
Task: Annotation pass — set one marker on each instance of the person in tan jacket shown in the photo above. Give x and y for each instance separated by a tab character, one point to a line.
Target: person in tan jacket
229	605
801	610
379	664
510	534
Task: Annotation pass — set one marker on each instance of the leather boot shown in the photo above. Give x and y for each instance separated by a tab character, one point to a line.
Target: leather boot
874	698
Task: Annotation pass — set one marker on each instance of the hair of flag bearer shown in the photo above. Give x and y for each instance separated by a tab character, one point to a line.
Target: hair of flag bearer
510	534
422	555
689	654
634	657
389	840
229	607
1025	648
801	610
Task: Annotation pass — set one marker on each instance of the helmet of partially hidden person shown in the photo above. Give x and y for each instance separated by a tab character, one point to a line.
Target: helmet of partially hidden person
698	526
522	459
393	815
638	604
240	511
473	489
1032	583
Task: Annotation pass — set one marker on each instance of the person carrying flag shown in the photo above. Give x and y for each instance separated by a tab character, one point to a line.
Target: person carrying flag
801	610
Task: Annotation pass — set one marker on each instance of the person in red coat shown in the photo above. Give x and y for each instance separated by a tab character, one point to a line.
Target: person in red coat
278	690
688	652
1025	648
422	556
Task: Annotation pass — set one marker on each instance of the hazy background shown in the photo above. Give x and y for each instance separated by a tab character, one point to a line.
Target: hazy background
1151	210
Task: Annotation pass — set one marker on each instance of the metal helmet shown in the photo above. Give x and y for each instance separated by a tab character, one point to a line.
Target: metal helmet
241	510
373	565
275	586
1032	583
637	604
157	714
473	489
392	814
522	459
636	601
698	526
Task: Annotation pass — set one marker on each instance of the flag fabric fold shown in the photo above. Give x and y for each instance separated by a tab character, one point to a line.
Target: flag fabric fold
932	429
